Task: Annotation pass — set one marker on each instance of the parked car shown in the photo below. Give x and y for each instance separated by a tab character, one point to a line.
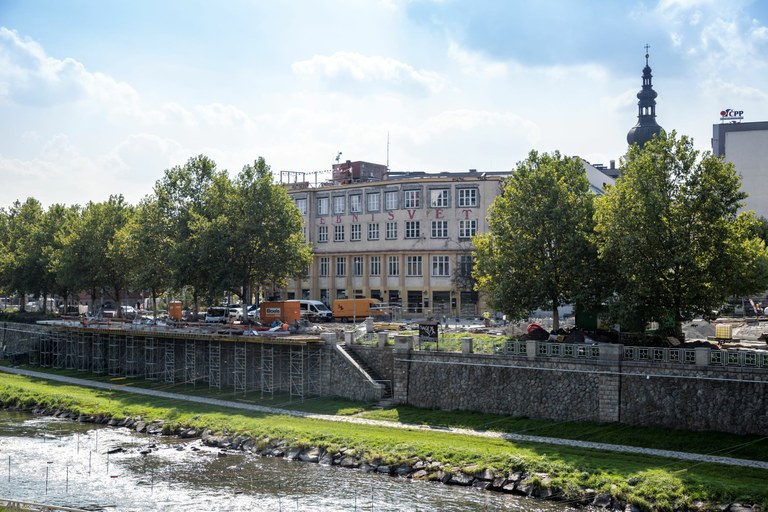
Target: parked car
217	314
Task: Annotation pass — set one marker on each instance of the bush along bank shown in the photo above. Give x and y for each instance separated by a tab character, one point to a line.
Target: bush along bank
646	492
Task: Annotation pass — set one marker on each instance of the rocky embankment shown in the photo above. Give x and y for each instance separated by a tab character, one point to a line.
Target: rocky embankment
521	483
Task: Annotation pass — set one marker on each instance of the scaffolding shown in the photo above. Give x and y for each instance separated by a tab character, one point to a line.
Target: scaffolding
150	358
297	371
113	355
267	370
189	362
59	349
131	355
214	364
98	353
70	354
46	347
82	351
239	370
169	367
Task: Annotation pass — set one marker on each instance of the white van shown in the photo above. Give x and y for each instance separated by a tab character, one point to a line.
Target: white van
314	310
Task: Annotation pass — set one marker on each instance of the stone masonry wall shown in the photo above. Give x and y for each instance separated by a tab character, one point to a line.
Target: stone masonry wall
724	399
380	359
346	382
692	397
501	385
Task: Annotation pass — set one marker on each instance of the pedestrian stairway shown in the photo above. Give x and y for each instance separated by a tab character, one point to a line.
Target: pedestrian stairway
370	374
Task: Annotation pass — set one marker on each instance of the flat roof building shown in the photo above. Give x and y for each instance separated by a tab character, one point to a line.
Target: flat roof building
746	146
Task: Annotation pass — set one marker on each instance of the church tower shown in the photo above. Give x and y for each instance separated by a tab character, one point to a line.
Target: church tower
646	126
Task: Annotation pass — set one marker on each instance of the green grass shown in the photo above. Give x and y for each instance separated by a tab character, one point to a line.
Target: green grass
751	447
647	481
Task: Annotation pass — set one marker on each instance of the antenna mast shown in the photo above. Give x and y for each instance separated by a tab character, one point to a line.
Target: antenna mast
387	150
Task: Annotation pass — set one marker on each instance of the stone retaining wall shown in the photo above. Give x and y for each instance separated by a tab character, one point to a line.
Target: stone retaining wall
501	385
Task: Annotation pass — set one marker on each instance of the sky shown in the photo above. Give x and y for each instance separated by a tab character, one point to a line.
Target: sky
100	97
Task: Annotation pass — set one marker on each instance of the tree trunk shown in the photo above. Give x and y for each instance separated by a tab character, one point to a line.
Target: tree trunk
555	317
195	301
119	311
154	303
45	303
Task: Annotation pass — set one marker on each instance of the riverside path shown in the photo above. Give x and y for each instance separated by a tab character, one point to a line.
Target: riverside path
671	454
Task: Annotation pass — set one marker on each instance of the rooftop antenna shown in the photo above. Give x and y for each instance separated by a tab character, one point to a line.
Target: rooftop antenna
338	157
387	150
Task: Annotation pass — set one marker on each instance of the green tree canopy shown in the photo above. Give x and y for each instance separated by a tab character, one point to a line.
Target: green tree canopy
537	252
670	227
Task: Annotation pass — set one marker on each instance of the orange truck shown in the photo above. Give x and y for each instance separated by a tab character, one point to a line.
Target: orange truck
348	309
282	311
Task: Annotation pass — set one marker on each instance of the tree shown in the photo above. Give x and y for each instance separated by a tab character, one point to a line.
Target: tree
537	252
181	197
92	254
267	231
148	241
671	228
23	262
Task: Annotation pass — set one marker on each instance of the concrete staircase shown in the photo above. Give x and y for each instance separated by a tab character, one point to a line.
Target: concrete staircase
370	374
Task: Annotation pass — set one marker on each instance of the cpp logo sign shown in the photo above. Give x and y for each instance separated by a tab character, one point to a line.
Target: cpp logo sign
730	113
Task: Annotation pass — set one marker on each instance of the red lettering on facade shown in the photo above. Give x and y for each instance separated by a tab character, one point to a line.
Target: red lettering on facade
439	213
354	217
338	219
322	220
411	213
466	213
390	215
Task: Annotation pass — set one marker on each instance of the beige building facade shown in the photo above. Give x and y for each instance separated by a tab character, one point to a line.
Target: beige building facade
404	239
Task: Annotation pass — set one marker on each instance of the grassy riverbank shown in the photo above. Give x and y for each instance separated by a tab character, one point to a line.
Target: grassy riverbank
639	479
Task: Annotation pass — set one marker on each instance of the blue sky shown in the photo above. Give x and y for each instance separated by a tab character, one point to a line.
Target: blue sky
100	97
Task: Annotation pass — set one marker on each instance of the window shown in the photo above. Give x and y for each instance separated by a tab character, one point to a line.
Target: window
355	233
467	228
375	263
439	229
391	233
355	203
390	200
341	266
441	266
373	231
465	265
412	229
322	233
323	266
412	199
413	266
338	233
338	205
393	265
357	266
374	201
438	198
467	197
322	205
301	204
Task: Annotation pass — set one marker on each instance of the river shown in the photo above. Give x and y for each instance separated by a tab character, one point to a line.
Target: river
53	461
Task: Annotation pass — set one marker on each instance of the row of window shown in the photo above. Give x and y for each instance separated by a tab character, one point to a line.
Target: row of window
438	198
441	265
439	229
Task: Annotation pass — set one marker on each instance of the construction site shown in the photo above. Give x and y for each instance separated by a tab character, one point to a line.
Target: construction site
283	363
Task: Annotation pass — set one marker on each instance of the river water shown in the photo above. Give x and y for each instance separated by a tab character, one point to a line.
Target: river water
52	461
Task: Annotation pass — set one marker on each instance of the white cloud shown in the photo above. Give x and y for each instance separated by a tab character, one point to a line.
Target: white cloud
228	116
368	69
476	64
29	76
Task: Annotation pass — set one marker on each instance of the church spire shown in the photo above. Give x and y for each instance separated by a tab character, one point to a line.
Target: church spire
646	126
